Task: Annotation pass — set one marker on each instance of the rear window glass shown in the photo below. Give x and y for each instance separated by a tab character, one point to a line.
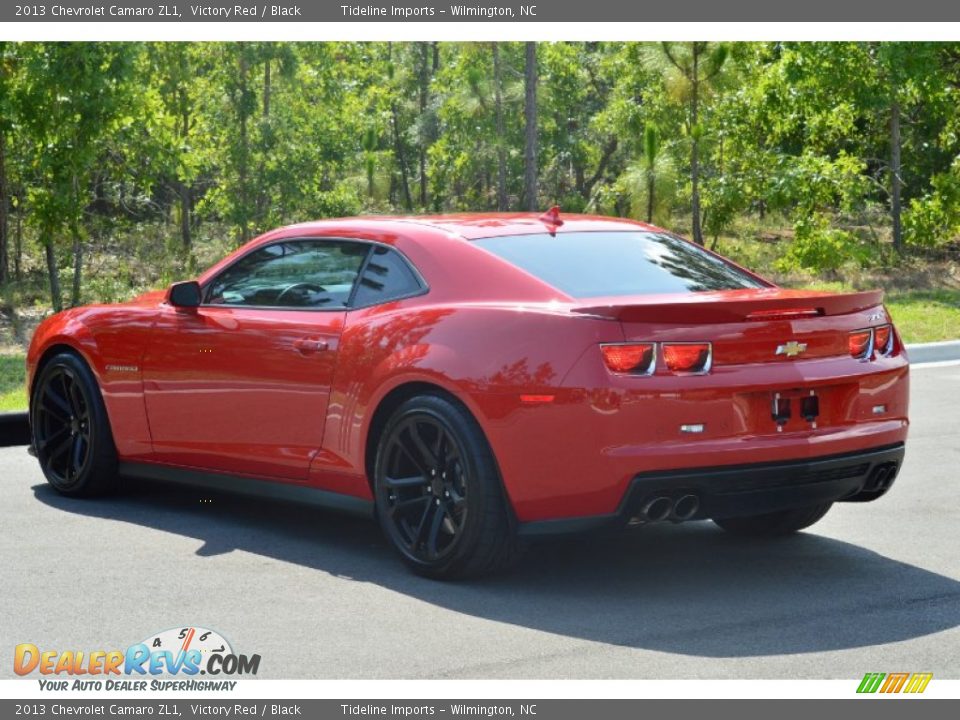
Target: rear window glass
591	264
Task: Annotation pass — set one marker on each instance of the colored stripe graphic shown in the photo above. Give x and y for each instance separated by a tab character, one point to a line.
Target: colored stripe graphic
870	682
894	682
918	682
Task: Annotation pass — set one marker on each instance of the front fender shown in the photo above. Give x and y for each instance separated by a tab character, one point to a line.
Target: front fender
111	340
65	329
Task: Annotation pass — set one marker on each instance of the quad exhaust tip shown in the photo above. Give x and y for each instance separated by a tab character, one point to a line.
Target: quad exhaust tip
661	508
657	509
686	507
881	478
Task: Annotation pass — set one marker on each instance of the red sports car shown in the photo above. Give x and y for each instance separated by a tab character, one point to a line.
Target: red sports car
475	379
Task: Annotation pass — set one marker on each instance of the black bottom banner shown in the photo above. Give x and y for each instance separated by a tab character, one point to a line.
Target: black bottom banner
875	709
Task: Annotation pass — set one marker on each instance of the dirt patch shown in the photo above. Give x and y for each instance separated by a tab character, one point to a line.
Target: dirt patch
17	327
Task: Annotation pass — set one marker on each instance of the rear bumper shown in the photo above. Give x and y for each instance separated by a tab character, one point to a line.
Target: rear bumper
754	489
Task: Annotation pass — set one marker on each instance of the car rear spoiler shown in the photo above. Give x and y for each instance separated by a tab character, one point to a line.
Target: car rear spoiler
732	306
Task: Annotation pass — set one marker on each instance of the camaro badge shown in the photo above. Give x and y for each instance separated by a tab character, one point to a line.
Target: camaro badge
123	368
791	349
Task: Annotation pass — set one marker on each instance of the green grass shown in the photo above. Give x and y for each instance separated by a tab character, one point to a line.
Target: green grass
922	295
13	388
926	315
920	315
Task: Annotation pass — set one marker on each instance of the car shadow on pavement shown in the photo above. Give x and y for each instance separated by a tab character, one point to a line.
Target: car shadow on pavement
690	589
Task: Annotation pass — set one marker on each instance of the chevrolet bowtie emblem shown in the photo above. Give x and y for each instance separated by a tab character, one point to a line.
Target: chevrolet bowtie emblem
791	349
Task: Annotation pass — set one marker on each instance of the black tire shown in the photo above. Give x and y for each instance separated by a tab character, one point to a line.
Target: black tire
438	493
774	524
70	429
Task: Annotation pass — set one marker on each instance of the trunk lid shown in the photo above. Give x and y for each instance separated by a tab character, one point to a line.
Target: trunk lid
747	326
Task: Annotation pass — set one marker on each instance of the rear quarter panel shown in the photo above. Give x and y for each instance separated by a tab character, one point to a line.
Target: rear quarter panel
486	355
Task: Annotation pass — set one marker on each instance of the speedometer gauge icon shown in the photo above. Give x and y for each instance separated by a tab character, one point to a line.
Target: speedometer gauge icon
183	639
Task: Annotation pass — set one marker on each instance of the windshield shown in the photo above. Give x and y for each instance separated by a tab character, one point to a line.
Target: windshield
591	264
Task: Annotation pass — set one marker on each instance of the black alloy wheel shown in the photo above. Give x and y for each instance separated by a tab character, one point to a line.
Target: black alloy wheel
427	487
438	493
71	435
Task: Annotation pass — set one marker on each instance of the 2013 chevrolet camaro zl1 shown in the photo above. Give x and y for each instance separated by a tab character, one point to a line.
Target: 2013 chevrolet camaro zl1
474	379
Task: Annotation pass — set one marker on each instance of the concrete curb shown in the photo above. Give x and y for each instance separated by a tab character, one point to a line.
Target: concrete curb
933	352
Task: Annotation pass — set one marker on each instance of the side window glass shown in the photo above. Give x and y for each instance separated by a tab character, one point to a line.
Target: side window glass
296	274
387	276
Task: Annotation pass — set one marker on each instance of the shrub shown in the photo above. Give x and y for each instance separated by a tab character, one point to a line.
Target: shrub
820	248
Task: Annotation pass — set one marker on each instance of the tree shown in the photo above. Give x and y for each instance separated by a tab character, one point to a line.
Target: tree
530	176
177	67
202	140
6	88
904	72
74	96
500	139
399	149
698	64
651	153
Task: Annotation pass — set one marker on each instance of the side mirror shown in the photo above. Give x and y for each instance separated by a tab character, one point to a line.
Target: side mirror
184	295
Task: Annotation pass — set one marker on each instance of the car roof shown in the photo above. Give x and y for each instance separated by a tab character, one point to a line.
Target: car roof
474	226
431	241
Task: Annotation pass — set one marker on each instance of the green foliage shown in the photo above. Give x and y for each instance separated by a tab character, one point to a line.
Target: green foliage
929	221
934	219
817	246
650	183
103	139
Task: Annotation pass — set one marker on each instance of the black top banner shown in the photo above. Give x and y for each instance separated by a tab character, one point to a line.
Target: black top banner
400	11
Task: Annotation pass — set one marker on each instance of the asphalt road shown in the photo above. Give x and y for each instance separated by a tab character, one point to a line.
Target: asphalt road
872	587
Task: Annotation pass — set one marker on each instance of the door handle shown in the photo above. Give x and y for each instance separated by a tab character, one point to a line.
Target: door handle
308	346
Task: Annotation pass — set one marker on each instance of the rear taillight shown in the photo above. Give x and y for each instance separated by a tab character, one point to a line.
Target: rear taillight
641	358
632	358
883	339
687	357
860	342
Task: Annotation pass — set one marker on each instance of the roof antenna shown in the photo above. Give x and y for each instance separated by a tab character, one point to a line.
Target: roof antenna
552	219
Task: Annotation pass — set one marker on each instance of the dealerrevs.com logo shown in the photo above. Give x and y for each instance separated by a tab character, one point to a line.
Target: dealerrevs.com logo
186	652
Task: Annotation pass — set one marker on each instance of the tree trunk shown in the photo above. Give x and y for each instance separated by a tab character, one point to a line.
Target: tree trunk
18	243
4	218
244	150
263	199
501	146
402	160
77	268
530	174
185	202
695	148
184	190
896	178
585	185
53	273
77	247
651	187
424	97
